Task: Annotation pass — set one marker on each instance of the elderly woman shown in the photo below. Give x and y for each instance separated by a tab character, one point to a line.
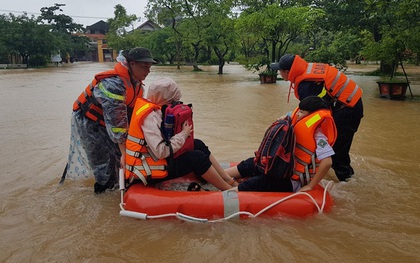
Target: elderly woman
148	152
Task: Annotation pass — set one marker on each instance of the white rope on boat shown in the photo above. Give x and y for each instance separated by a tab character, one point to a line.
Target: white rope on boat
188	218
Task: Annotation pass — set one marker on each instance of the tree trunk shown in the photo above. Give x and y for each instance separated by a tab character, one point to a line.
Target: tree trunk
273	51
178	54
387	68
195	57
25	60
221	58
221	68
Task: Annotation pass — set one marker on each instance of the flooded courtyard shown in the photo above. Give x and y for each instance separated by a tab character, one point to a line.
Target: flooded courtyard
375	217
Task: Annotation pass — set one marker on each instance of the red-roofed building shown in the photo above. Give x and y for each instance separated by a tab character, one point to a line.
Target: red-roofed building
99	50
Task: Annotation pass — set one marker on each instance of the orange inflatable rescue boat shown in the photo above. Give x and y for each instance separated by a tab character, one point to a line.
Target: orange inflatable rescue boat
149	202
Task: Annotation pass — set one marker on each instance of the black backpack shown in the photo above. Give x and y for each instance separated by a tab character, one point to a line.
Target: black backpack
275	154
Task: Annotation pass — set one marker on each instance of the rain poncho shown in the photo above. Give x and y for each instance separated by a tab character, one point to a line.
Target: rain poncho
93	147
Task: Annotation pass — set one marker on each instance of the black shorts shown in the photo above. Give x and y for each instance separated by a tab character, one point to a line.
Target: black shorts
196	161
258	182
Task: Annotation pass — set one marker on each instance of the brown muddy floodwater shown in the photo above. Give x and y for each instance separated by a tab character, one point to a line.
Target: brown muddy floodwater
375	218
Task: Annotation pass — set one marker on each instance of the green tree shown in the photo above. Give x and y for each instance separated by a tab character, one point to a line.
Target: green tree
24	36
169	13
247	38
337	48
194	24
409	16
4	31
163	44
220	35
387	27
64	29
222	38
198	24
59	23
122	34
275	28
395	32
251	6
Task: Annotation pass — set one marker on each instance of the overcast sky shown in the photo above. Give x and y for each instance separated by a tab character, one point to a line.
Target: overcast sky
85	12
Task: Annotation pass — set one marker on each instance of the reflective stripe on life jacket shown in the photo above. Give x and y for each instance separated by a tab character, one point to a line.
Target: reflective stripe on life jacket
306	162
140	162
94	111
337	84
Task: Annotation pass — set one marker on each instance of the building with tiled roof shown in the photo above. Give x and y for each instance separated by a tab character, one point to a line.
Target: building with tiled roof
99	50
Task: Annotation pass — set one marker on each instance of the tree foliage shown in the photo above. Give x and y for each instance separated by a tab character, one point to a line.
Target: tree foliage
163	44
397	32
59	23
64	30
35	39
199	25
24	36
121	34
253	32
268	33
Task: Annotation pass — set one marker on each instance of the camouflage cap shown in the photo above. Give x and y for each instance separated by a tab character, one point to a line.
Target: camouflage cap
139	54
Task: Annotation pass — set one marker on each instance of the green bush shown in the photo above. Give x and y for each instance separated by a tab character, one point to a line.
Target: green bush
325	55
38	61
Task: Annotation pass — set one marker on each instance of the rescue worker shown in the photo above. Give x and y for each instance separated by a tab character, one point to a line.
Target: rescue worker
315	133
148	153
101	116
341	93
313	154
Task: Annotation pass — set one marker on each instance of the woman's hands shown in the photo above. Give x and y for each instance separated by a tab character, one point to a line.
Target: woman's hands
187	128
306	188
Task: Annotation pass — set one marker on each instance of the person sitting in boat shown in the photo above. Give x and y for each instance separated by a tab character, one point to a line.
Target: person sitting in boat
149	156
315	133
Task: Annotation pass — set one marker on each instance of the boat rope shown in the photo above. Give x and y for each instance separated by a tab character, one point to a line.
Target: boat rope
188	218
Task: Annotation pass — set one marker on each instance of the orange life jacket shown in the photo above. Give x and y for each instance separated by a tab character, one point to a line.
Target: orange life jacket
337	84
306	162
140	162
94	111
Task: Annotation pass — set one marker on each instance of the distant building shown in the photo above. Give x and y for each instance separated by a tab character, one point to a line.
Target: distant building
99	50
100	27
148	26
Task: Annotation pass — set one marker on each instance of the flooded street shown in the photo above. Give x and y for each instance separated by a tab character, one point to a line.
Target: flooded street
375	217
